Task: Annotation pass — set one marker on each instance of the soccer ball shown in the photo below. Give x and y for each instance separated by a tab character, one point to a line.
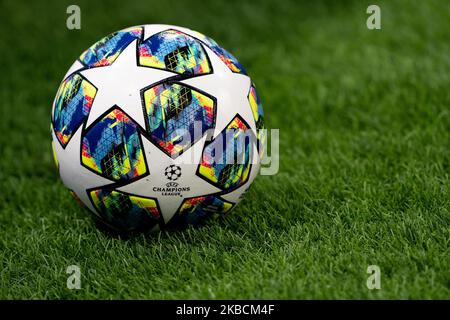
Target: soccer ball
157	126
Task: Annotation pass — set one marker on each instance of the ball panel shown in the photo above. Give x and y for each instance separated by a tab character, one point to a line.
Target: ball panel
258	115
230	60
72	105
177	116
174	51
232	63
112	148
55	157
125	212
75	176
106	51
77	199
195	211
226	160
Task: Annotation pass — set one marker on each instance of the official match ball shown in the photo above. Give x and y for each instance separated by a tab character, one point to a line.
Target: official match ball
156	127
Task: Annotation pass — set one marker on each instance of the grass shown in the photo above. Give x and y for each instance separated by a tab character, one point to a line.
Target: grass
364	175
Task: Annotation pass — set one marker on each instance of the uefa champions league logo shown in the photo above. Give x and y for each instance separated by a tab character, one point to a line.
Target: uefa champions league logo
172	172
172	188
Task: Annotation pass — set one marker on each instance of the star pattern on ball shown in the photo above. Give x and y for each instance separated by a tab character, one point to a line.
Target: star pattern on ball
120	84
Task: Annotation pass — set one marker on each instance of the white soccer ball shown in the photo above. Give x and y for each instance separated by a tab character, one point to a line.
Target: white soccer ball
157	126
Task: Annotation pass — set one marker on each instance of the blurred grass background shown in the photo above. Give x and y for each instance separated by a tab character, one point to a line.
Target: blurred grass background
364	179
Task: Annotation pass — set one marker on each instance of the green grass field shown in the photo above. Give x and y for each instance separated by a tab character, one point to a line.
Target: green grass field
364	166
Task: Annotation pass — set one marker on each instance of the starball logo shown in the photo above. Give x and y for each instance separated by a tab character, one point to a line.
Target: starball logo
172	172
172	188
